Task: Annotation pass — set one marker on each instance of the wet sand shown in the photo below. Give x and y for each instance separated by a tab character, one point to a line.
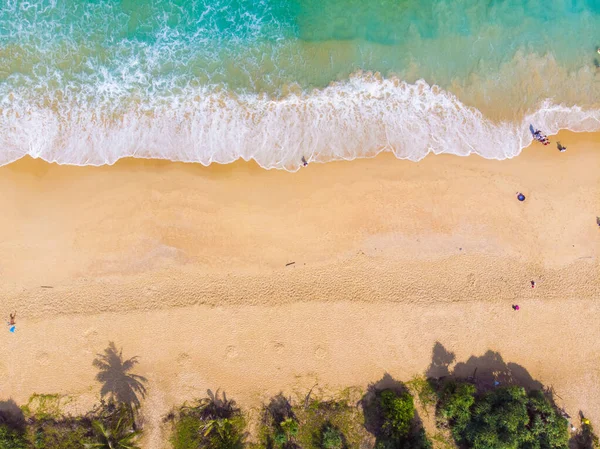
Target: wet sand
187	268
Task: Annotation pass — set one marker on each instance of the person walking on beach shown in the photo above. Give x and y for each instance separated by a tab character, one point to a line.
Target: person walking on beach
560	147
515	307
532	284
304	162
520	196
11	322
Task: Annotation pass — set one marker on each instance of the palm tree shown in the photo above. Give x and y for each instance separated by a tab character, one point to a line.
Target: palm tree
117	381
121	436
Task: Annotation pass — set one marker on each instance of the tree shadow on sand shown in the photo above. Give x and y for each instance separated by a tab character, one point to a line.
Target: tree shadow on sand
441	359
118	383
11	415
485	372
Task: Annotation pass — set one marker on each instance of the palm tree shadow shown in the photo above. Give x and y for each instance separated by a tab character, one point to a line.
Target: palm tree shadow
118	383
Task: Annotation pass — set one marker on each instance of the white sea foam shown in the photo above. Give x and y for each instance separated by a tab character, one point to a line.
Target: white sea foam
355	118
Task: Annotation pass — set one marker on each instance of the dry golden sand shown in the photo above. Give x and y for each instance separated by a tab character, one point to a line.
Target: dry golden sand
185	267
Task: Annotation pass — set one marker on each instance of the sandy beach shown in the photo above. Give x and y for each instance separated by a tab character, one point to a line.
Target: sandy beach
258	281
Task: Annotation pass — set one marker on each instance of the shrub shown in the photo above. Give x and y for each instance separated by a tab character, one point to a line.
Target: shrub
456	400
398	412
332	438
11	438
506	417
396	426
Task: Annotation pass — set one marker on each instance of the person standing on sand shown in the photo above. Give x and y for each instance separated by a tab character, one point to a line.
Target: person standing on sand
560	147
11	322
515	307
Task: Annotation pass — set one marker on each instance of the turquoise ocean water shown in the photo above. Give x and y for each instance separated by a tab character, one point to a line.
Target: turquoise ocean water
89	82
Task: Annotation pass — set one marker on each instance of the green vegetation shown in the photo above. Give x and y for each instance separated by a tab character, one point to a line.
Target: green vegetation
115	430
398	413
42	424
505	417
390	416
473	414
279	425
44	406
211	423
399	430
66	433
422	388
585	437
331	424
456	400
331	438
11	438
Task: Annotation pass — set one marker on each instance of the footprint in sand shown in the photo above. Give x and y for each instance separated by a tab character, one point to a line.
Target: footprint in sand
320	353
183	358
90	335
231	352
42	358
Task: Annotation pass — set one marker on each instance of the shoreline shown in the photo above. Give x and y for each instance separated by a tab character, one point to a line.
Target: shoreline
251	130
172	227
187	268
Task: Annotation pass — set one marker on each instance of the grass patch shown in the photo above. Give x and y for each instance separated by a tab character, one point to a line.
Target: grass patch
45	406
422	389
331	424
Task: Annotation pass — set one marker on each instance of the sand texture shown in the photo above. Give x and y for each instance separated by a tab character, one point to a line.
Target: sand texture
261	281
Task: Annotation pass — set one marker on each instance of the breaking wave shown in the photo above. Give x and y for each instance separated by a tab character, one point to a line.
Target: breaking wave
356	118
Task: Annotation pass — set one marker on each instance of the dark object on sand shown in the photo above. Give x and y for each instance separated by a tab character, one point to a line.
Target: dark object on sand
539	136
560	147
598	221
290	263
515	307
520	197
304	162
